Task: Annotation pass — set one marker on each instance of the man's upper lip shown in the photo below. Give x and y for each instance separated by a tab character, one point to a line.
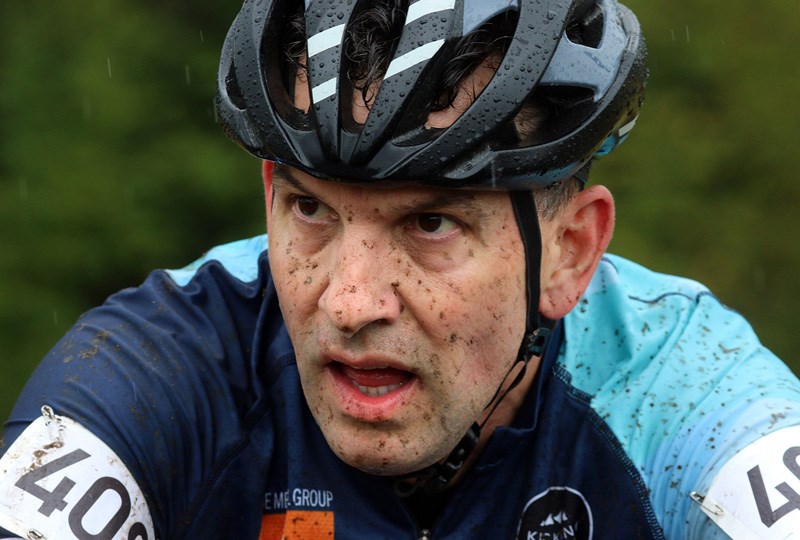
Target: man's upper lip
363	361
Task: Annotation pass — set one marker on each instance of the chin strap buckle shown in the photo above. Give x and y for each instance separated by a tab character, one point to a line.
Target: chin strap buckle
437	477
446	470
536	342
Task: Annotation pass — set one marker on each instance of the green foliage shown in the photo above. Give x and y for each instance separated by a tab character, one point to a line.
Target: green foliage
705	185
111	163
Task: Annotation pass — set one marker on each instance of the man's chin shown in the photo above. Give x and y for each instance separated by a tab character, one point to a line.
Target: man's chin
386	464
389	469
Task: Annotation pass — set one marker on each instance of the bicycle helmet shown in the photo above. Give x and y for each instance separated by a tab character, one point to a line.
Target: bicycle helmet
585	59
255	104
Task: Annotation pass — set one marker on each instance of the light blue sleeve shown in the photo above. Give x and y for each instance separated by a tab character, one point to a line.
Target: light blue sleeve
681	380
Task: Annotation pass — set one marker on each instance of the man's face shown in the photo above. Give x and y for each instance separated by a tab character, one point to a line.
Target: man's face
406	308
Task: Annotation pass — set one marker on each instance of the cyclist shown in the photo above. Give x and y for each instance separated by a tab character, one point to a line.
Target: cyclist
430	341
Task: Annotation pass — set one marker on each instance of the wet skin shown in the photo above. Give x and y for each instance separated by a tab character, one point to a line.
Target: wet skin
406	308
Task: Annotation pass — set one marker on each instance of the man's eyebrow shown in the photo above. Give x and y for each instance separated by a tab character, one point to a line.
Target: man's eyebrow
285	176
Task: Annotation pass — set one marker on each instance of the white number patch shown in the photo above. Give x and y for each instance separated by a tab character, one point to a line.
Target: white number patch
756	495
58	480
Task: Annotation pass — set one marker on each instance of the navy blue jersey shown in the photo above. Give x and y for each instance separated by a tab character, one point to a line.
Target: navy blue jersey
648	388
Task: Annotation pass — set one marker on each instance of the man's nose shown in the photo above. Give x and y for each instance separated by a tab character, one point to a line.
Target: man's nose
362	287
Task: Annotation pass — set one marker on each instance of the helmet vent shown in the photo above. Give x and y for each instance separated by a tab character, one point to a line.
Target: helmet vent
283	58
587	28
371	42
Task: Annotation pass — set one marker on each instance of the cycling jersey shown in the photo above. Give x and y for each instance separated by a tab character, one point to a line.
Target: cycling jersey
649	387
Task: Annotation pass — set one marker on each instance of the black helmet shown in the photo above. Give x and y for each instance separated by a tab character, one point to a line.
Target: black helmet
585	58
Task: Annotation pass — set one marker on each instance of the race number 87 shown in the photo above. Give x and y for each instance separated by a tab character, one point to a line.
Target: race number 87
55	500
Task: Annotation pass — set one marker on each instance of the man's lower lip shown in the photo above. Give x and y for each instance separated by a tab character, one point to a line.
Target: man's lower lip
369	403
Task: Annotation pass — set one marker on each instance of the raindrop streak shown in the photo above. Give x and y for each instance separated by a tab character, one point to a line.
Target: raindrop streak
201	37
87	109
108	61
188	75
672	33
55	317
687	34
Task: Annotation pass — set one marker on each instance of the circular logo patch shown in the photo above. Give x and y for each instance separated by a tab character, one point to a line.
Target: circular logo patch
557	513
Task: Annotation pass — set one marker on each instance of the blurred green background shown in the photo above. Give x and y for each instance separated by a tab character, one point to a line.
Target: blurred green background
111	163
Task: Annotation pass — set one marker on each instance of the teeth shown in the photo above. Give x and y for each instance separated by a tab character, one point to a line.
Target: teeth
376	391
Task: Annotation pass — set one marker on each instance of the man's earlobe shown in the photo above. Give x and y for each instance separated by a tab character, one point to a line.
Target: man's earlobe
573	243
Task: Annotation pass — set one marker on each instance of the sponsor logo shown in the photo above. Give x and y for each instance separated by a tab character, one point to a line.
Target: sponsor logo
308	499
297	513
557	513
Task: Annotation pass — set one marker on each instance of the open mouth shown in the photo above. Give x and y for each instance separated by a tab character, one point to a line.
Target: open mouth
372	393
377	381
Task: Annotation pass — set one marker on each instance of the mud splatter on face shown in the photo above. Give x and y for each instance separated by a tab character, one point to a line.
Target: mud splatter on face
364	287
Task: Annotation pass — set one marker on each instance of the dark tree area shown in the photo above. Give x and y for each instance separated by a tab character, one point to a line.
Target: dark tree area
111	163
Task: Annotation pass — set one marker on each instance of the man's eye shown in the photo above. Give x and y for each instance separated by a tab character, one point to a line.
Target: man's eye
435	223
311	208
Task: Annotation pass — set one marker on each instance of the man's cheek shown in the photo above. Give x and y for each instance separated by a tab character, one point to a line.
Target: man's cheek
288	296
296	278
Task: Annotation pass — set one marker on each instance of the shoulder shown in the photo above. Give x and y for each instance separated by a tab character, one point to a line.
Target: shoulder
642	322
680	379
164	374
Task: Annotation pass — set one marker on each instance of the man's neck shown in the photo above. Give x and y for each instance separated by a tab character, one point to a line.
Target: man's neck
505	412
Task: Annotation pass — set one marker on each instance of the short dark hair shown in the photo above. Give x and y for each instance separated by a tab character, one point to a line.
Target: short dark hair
369	44
551	199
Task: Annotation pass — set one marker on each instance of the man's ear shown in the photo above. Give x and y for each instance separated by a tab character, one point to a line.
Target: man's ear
572	244
267	168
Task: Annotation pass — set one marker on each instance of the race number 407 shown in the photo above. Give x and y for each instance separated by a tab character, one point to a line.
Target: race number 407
756	494
58	480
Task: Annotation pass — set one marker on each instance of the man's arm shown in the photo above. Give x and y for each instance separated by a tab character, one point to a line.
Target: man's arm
152	385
